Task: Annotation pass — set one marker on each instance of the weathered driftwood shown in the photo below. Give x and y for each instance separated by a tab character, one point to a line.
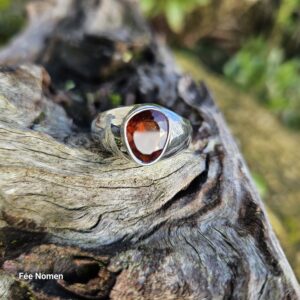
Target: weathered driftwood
191	227
271	150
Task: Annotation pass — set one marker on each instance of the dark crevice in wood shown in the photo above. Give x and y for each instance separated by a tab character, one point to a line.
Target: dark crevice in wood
16	242
251	221
213	195
239	270
186	195
231	285
261	292
19	290
79	273
45	288
8	69
84	277
95	224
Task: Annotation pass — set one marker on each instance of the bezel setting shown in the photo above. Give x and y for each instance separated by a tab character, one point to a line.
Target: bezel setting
131	114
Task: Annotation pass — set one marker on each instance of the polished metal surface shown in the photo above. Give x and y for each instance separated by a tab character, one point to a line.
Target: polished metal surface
110	126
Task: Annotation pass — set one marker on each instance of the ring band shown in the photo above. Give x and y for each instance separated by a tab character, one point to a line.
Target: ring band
144	133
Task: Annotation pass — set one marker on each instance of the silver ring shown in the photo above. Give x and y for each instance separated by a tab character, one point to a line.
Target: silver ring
144	133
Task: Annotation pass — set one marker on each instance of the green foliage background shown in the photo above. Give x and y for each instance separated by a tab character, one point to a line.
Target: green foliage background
261	65
12	18
175	10
273	78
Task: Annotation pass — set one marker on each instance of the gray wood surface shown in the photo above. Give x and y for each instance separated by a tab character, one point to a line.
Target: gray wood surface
190	227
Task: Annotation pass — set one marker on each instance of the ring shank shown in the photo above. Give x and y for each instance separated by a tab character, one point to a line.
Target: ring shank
106	128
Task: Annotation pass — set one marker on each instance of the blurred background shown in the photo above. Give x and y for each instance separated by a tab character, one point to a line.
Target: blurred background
248	53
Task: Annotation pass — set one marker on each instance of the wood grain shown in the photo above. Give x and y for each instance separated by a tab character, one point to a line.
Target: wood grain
190	227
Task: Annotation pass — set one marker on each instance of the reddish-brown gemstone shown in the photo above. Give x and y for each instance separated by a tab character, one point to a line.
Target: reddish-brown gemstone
147	134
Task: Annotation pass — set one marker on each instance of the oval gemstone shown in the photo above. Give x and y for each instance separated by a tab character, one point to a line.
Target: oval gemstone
147	134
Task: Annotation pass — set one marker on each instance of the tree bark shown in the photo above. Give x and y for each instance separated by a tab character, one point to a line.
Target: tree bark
190	227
